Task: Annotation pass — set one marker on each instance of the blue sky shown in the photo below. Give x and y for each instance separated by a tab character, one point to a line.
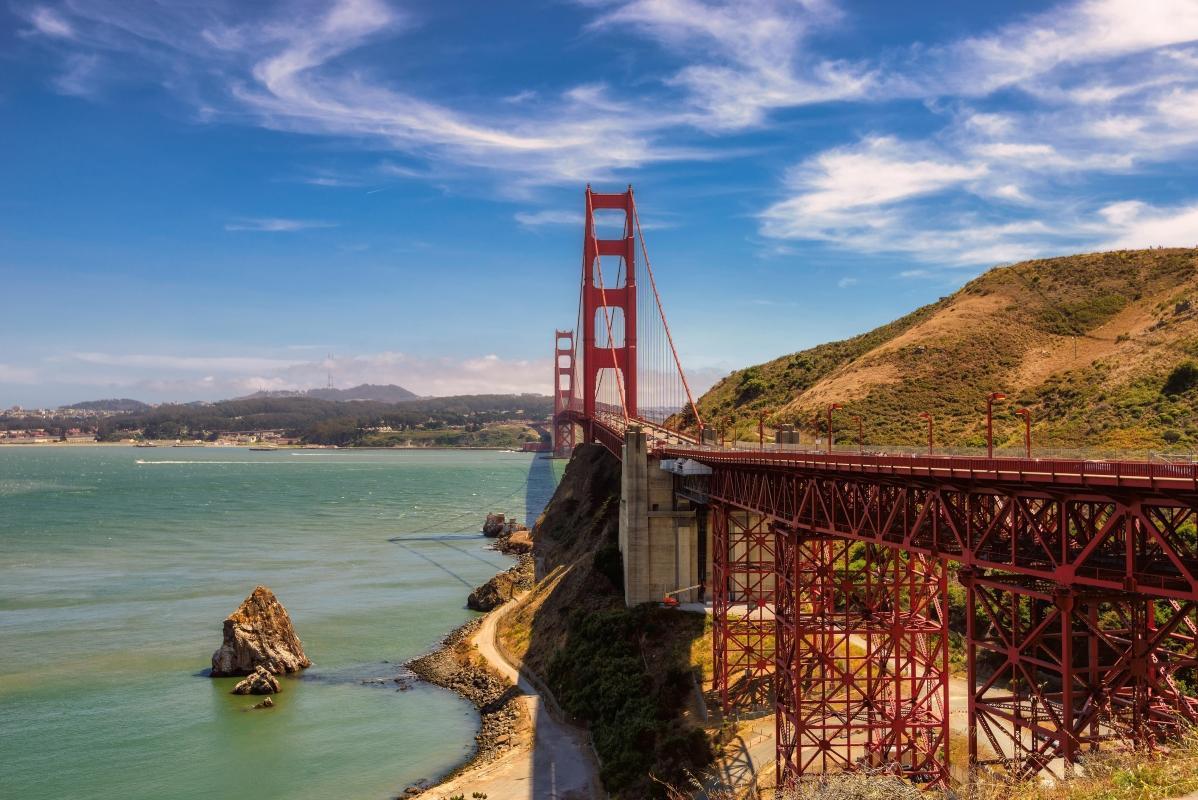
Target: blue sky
199	199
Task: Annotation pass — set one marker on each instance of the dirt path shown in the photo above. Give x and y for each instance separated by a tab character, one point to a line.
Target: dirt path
557	765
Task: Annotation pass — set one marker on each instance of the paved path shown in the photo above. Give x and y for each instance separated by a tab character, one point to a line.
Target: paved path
558	765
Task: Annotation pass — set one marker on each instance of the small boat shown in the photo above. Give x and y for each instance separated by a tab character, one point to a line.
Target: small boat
263	448
145	444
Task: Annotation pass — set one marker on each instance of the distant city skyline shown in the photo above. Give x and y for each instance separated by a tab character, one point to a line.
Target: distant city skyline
199	201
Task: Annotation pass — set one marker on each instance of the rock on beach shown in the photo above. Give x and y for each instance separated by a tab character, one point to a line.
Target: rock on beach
259	635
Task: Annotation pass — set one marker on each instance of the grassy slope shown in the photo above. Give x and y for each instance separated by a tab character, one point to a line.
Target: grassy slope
1095	345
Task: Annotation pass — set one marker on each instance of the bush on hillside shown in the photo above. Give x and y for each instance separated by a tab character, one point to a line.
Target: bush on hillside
1182	379
601	674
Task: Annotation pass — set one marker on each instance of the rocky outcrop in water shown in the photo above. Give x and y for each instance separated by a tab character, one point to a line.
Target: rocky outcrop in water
494	525
259	635
259	682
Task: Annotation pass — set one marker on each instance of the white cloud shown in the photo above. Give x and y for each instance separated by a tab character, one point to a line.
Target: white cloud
1069	34
10	373
1140	225
185	377
49	22
277	225
534	219
845	283
847	191
238	364
748	54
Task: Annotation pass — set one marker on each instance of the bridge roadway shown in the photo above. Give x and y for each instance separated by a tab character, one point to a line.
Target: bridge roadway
1122	526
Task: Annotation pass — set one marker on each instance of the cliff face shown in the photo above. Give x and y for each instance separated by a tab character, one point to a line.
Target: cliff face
259	634
593	653
1101	348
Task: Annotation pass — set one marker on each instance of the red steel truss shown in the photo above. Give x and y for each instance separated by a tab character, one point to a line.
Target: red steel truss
742	606
861	659
1054	673
1082	612
1114	540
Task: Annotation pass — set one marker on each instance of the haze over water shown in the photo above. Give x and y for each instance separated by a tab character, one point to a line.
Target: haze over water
118	565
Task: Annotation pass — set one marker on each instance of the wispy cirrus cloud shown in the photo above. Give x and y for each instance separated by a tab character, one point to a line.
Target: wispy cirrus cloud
1021	119
277	225
1104	82
535	219
748	55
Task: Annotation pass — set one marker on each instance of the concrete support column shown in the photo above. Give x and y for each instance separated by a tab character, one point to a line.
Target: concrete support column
657	542
634	515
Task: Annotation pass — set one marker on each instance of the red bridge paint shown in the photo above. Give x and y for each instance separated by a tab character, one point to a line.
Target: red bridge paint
831	574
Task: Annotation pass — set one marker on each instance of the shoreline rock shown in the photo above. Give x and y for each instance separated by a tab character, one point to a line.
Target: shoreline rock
501	588
259	635
453	666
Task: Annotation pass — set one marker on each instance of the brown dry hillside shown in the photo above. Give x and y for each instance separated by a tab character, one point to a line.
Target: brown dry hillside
1103	348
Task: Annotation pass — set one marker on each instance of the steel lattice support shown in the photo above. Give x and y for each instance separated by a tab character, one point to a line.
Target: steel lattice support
862	660
1121	541
1057	672
742	607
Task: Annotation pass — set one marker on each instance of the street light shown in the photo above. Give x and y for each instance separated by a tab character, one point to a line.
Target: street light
765	412
990	398
1027	431
860	434
928	417
832	407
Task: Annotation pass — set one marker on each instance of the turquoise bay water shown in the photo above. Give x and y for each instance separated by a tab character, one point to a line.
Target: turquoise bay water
117	566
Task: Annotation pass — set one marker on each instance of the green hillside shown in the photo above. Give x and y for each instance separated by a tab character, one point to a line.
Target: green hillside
1102	348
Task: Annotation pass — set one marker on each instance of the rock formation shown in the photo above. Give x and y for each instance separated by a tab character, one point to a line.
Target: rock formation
518	543
259	682
495	525
259	635
502	587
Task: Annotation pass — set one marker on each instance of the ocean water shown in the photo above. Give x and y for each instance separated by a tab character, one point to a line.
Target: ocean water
118	565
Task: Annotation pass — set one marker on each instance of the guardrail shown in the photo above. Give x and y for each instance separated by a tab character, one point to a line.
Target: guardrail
1161	474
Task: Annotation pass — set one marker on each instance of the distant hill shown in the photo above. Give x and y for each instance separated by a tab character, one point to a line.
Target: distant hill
1102	348
389	393
377	393
327	421
122	405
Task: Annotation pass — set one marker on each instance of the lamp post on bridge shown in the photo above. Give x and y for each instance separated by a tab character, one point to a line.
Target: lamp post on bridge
831	407
1027	431
990	398
928	417
860	434
765	412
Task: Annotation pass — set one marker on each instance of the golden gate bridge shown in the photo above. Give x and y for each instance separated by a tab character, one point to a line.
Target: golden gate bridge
830	570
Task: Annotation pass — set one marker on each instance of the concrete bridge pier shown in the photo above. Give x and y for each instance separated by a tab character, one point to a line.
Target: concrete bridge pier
659	537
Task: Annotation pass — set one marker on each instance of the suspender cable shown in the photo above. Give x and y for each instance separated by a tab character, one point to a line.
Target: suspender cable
666	325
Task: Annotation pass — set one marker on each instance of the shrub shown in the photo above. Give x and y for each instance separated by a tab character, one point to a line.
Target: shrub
1182	379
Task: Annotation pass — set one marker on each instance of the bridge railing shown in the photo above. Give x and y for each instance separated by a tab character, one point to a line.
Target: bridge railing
1040	470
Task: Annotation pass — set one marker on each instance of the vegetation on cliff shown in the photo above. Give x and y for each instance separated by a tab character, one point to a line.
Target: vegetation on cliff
625	672
1102	348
